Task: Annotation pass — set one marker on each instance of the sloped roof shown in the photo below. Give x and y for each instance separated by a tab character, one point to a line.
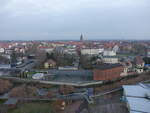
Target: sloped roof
136	98
50	61
11	101
138	60
107	66
134	90
140	105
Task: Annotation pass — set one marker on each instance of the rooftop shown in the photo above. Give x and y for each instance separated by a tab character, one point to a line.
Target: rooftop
71	72
138	60
11	101
107	66
137	97
77	75
110	57
134	90
140	105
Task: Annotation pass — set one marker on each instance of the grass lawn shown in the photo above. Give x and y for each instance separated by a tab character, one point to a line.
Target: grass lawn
34	108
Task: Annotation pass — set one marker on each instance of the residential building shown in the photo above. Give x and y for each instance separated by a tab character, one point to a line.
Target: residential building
93	51
110	59
8	51
71	51
116	48
50	64
109	53
2	50
46	49
128	68
139	64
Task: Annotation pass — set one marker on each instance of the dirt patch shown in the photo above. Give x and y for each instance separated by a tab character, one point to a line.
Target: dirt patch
5	85
23	91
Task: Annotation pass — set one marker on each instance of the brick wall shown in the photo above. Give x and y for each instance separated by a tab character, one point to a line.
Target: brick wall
107	74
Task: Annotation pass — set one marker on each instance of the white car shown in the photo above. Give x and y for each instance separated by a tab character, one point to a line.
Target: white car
38	76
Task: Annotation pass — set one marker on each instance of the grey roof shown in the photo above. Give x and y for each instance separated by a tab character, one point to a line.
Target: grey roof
71	72
11	101
5	66
136	98
135	112
139	104
77	75
134	91
107	66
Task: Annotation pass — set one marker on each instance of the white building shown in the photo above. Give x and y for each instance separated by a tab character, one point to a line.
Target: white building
110	59
109	53
139	64
116	48
47	49
2	50
91	51
57	45
70	51
7	56
5	66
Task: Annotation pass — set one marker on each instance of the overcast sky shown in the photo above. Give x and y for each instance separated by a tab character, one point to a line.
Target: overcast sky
67	19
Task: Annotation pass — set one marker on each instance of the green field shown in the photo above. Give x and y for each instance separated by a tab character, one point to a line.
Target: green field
34	108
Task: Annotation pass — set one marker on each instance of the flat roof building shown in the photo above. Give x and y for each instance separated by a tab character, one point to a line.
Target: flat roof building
107	71
137	98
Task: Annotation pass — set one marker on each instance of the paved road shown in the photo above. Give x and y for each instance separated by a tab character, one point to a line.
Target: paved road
27	66
73	96
77	84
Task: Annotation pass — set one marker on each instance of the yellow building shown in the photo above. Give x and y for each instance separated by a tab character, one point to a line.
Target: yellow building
49	64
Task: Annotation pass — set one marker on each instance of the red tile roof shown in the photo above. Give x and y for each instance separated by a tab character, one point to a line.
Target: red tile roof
138	60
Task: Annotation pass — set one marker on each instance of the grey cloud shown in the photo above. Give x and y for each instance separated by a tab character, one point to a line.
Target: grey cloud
62	19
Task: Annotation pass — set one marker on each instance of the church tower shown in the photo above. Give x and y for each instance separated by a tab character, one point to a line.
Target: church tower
81	37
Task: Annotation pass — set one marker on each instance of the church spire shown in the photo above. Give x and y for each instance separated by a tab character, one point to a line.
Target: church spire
81	37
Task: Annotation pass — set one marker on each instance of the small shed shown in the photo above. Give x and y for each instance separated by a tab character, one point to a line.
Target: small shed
12	103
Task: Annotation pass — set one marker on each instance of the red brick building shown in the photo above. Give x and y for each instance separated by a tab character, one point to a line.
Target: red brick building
107	71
